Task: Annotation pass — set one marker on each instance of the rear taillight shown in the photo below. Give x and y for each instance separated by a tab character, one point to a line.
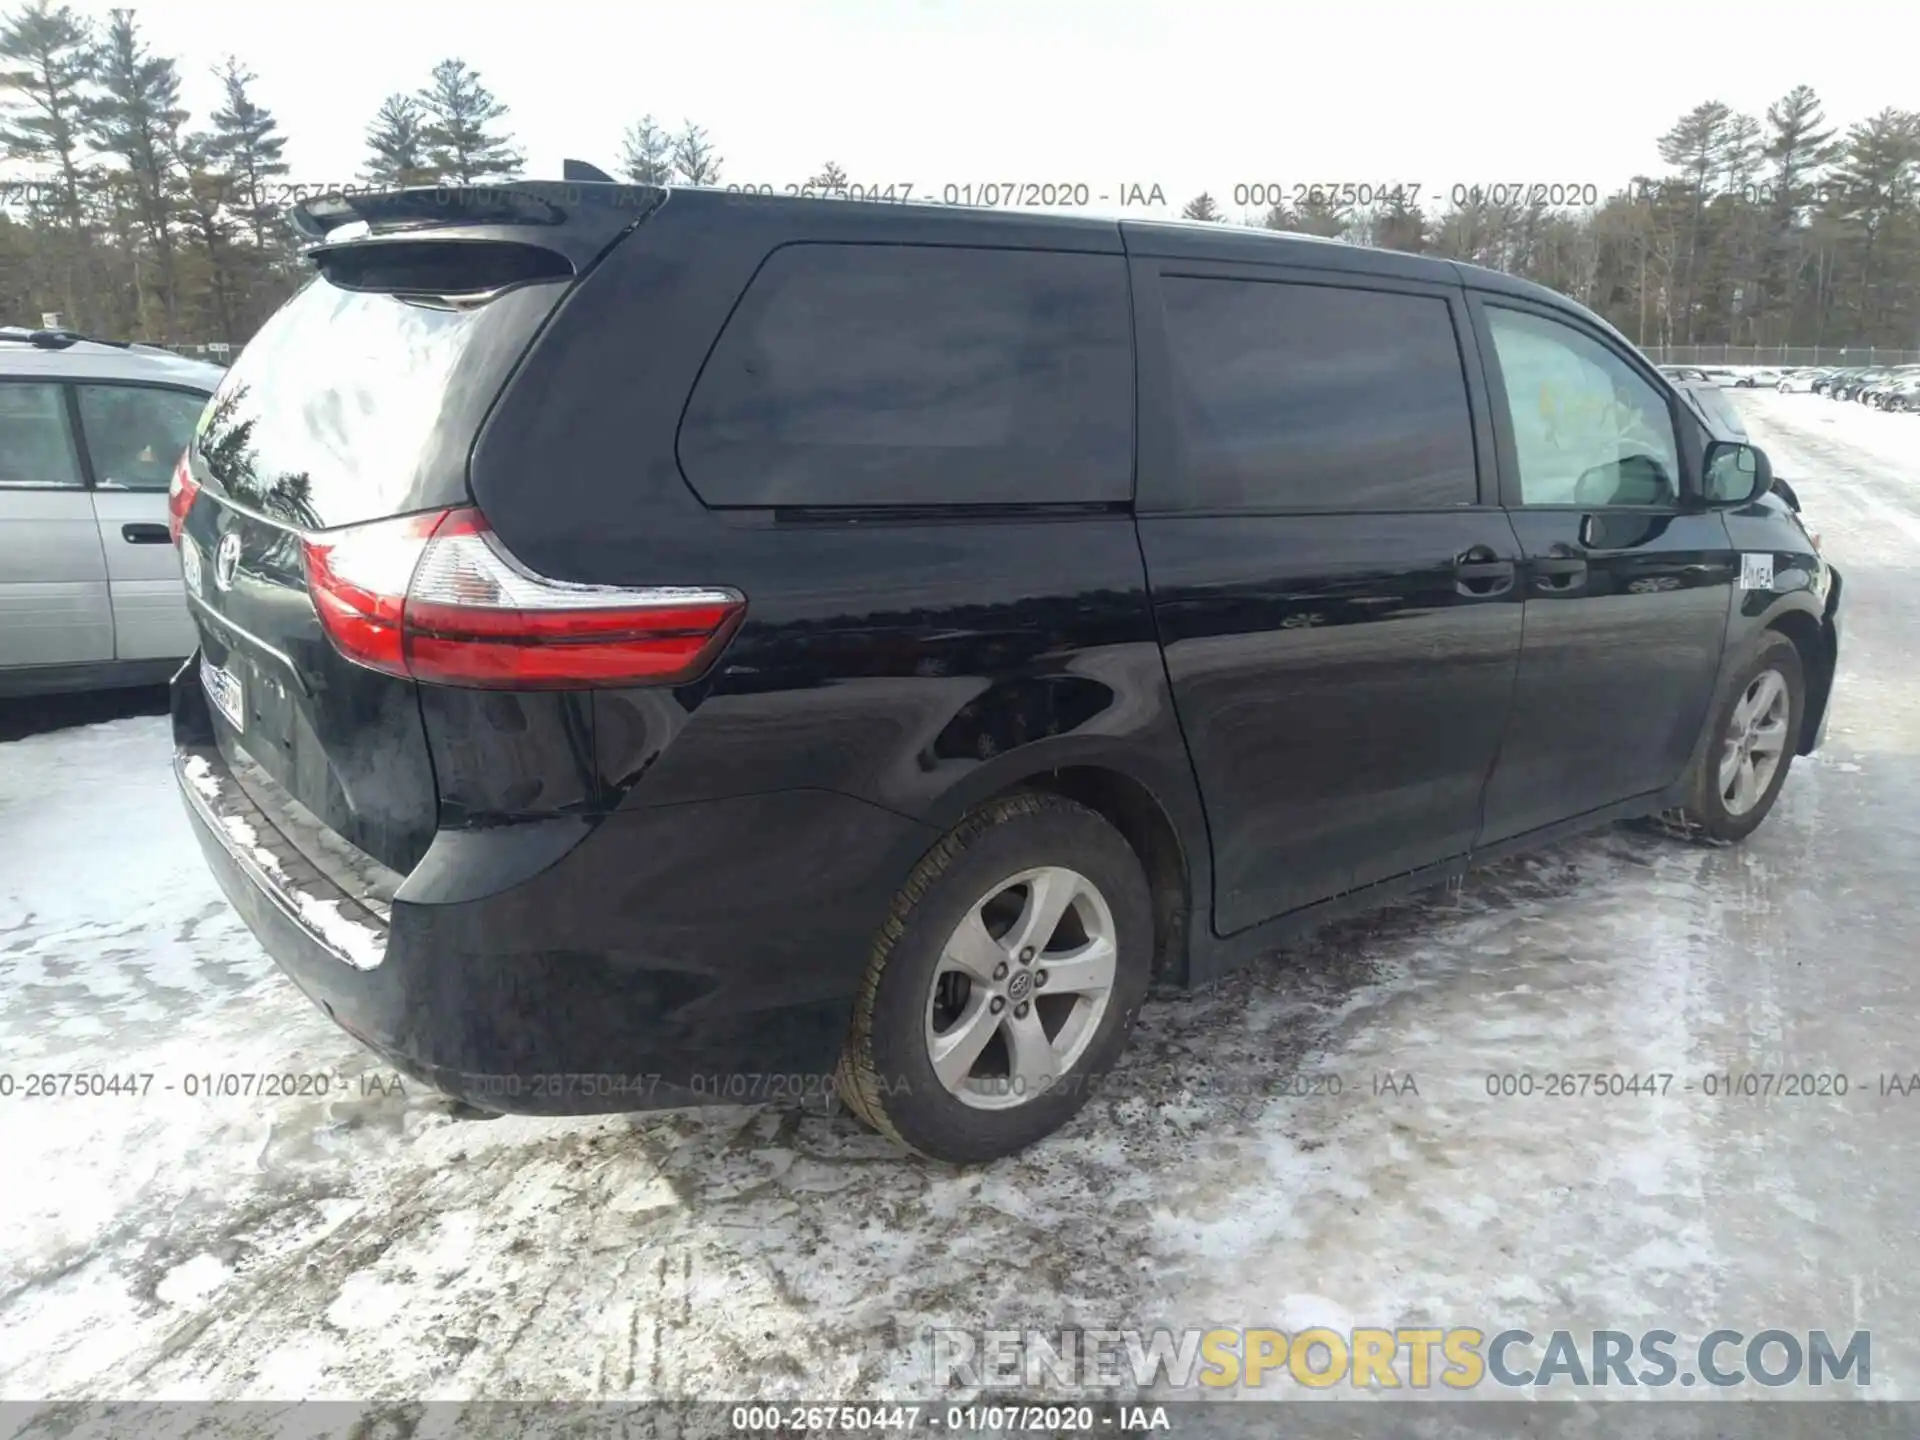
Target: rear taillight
436	597
180	492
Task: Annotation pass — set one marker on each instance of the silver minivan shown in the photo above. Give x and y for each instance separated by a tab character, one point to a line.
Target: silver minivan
90	589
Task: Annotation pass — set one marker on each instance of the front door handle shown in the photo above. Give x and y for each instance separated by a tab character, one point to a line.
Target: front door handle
145	534
1559	574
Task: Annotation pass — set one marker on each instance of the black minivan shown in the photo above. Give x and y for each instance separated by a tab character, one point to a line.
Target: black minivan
662	647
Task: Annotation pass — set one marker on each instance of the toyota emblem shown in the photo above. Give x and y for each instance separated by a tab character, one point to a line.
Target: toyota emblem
226	560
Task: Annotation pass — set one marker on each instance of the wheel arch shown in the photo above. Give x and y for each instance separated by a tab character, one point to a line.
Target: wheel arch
1133	809
1167	836
1813	640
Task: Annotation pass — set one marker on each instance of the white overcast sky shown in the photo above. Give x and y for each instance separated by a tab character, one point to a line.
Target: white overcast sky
1183	93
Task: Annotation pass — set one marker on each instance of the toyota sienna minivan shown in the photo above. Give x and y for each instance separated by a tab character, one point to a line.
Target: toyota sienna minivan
662	647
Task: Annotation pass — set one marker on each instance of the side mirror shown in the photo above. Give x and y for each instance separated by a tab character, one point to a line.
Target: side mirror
1734	473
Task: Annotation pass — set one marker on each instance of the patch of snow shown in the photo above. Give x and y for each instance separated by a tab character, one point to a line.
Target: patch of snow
193	1281
359	945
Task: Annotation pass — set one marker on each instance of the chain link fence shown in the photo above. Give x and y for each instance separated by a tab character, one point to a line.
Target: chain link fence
1778	355
217	352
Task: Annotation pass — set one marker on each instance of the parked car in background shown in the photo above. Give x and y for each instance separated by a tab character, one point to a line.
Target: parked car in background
1716	412
1901	395
1755	378
90	592
1875	391
721	642
1856	384
1825	383
1850	384
1684	374
1802	380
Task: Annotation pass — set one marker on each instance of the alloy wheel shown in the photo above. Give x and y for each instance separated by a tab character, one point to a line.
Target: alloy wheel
1756	741
1021	987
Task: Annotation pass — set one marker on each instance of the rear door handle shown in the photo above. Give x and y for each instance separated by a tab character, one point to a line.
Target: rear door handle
1559	573
1479	574
145	534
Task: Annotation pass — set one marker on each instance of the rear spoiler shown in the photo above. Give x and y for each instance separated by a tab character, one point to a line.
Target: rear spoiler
533	228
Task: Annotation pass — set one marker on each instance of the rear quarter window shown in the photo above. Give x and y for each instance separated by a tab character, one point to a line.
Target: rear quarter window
136	432
878	375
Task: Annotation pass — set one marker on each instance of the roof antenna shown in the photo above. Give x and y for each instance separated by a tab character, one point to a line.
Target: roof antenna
581	170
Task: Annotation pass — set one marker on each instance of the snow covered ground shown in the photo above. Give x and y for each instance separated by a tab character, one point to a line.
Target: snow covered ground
372	1245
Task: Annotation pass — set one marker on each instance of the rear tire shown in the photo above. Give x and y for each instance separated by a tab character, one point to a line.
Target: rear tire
954	981
1732	787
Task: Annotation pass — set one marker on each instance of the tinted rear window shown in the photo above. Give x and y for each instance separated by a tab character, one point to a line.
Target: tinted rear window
350	406
895	375
1314	397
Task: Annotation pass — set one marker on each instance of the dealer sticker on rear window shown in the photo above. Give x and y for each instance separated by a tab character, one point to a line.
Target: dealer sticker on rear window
1756	571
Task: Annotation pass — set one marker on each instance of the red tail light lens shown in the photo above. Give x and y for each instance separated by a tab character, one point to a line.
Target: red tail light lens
435	597
180	492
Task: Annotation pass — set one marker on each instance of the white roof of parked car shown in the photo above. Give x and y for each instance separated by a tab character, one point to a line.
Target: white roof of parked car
92	360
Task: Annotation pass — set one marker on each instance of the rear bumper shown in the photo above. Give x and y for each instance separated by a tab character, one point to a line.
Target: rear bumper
648	959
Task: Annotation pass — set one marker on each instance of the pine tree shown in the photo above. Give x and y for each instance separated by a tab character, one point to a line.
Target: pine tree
247	144
646	155
18	290
694	160
1798	148
1727	278
461	145
1201	207
396	145
1320	214
137	119
1400	225
211	229
46	69
1696	145
1873	188
46	65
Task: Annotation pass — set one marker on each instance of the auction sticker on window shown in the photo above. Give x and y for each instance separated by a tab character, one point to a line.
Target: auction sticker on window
1756	571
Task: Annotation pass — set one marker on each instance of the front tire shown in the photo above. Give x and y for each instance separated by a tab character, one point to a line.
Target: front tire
1004	983
1756	729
